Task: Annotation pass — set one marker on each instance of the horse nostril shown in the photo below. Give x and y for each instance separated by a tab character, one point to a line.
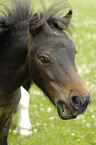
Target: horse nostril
77	101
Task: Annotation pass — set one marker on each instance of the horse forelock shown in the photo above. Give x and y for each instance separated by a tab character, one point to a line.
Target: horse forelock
53	15
21	12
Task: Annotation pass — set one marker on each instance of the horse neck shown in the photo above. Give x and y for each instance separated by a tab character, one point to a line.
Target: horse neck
13	60
22	72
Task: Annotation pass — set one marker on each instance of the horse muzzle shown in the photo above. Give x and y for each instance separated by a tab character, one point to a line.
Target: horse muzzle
76	106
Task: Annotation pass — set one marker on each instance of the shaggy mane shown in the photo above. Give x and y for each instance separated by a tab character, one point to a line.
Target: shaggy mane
16	16
21	12
53	16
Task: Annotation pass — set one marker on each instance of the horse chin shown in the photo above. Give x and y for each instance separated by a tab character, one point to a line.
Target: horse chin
64	112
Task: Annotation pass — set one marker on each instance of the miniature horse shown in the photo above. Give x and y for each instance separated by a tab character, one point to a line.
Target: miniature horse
45	55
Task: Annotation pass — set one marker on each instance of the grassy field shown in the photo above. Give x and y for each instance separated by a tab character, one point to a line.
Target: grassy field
48	128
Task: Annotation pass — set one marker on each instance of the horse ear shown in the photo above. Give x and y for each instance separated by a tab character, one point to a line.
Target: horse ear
63	22
67	18
34	24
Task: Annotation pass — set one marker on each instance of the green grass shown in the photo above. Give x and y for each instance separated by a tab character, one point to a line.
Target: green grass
51	129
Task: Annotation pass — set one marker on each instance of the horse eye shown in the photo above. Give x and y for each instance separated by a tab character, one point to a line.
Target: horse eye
44	59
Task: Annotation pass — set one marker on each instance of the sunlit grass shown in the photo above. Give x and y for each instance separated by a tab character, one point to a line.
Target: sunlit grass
48	128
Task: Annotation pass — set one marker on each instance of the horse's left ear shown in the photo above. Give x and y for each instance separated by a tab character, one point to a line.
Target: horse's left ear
34	24
63	22
67	18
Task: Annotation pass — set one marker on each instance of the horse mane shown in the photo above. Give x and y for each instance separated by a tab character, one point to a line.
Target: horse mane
15	17
21	12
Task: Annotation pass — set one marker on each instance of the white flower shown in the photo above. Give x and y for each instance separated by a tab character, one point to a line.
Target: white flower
33	126
10	130
38	124
41	105
44	98
88	125
78	139
35	131
42	109
51	118
78	117
73	134
36	112
37	115
87	83
48	110
87	71
92	86
62	128
14	132
52	125
91	110
34	105
36	92
45	124
93	116
83	121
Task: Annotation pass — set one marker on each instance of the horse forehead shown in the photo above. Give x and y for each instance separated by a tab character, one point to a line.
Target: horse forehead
62	49
54	42
61	44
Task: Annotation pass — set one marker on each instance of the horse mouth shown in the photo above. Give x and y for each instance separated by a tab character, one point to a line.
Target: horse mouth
64	111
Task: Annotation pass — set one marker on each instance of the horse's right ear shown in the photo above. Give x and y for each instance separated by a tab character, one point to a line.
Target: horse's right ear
35	24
